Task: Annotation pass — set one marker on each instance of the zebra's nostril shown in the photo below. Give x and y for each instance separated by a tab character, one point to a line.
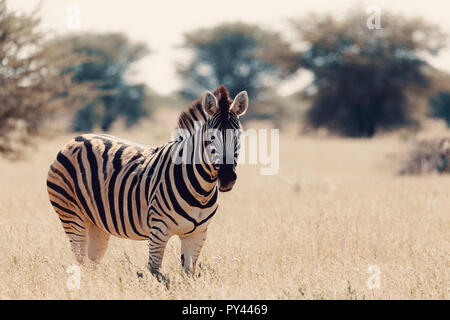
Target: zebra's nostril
182	260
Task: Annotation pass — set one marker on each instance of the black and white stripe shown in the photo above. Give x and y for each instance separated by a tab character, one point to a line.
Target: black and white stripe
101	185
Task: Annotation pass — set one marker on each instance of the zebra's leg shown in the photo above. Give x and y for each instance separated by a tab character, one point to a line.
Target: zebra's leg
73	224
157	245
98	243
76	229
191	246
78	238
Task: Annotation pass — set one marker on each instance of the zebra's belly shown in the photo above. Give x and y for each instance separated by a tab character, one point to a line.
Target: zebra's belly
123	227
120	215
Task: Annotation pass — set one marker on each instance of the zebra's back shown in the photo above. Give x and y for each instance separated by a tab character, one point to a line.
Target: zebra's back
97	180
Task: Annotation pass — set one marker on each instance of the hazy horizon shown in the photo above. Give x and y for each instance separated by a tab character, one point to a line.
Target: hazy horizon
162	26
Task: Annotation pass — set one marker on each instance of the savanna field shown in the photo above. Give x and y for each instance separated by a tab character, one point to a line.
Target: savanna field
336	207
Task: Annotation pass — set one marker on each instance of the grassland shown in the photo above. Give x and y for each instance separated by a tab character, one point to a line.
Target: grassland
310	232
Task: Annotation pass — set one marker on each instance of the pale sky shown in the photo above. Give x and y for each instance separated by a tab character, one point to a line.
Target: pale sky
161	24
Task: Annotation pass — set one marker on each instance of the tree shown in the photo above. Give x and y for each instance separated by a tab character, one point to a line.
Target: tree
32	86
440	106
111	55
362	75
229	54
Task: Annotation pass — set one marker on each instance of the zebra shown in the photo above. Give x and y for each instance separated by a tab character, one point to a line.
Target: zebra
101	185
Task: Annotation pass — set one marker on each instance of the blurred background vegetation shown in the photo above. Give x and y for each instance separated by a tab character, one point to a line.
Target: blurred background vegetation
364	81
111	55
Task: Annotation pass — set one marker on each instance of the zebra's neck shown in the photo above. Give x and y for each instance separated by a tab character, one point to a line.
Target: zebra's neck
198	160
187	166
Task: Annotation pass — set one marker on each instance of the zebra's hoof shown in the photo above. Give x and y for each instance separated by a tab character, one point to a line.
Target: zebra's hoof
161	278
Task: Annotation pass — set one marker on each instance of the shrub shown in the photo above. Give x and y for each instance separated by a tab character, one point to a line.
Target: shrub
428	156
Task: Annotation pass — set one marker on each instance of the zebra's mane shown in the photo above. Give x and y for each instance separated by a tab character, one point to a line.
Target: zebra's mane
196	113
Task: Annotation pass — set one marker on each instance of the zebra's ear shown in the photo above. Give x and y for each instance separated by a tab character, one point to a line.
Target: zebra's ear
240	103
209	103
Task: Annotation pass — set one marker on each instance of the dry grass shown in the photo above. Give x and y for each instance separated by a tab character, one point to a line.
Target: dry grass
309	232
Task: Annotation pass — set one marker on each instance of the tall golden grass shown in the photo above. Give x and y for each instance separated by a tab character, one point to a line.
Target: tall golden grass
335	208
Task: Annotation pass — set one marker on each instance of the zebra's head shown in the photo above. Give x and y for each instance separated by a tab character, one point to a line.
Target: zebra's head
223	132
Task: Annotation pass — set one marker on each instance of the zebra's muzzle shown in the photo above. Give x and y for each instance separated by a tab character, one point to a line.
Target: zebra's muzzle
227	177
226	188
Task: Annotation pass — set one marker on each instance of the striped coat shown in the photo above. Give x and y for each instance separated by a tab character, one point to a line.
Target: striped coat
100	185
